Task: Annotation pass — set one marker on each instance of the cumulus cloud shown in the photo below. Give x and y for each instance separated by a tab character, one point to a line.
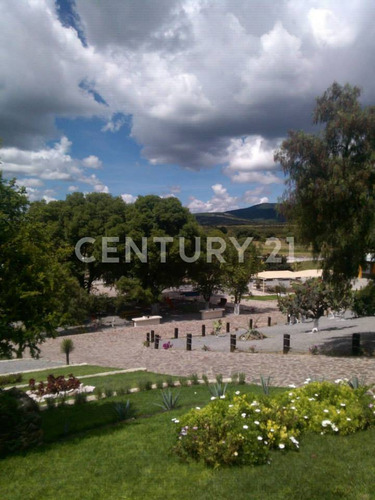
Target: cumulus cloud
192	77
222	201
129	198
50	164
92	162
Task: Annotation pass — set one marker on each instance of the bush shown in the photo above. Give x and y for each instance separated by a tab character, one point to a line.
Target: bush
364	301
12	378
145	385
80	398
124	411
194	379
239	430
169	400
20	422
54	385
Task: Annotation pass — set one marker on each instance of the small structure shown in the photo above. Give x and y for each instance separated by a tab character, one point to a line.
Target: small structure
212	313
147	320
286	278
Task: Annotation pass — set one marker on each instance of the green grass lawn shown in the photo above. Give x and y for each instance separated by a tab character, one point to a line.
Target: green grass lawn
77	371
260	297
89	456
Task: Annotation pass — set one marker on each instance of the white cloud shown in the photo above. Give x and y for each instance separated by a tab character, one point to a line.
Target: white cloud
329	30
129	198
92	162
191	77
50	164
219	202
72	189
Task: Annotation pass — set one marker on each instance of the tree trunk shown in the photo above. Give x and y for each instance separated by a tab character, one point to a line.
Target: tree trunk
207	305
67	358
316	323
237	308
155	308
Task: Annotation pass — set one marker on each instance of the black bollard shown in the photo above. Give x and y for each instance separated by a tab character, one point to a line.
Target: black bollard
233	341
251	324
286	343
203	330
157	340
269	320
148	337
189	341
152	336
228	327
356	344
176	333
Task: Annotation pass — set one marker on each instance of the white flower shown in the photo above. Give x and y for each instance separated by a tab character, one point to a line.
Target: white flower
176	421
265	442
212	398
222	397
194	392
245	426
230	406
294	441
311	399
256	422
338	381
292	386
281	446
198	408
292	407
316	395
257	410
237	392
292	400
291	394
326	411
326	422
260	438
235	454
338	412
243	415
306	417
342	404
334	428
348	419
272	430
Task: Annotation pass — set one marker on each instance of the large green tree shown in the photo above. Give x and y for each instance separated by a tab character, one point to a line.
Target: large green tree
331	181
37	292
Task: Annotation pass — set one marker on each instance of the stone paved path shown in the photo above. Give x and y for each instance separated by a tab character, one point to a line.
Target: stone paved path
123	348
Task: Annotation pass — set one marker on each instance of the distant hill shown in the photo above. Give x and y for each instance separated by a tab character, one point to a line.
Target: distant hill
263	213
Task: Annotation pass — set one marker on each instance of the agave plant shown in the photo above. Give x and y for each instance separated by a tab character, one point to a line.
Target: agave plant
266	384
169	400
217	390
123	411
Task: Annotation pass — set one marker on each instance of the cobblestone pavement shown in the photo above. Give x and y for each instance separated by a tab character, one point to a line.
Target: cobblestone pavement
123	348
22	365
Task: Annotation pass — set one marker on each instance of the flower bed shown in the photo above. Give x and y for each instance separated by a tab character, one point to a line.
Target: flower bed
56	387
240	430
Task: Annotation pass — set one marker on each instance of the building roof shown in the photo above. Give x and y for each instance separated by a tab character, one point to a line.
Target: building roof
290	275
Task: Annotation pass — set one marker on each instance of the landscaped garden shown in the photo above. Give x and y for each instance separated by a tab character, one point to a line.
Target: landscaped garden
138	445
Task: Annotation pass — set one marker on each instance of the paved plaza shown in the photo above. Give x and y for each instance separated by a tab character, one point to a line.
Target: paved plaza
123	347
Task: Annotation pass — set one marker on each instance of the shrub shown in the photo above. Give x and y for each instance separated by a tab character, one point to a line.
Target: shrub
108	392
239	430
145	385
12	378
80	398
54	385
364	300
234	378
266	384
169	381
122	391
194	379
219	378
123	411
169	400
242	378
98	392
183	382
205	379
159	384
20	422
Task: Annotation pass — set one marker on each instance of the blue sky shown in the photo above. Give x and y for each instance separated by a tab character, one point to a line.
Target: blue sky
185	98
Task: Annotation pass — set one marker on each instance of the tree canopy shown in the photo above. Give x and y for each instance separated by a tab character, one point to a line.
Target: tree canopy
331	181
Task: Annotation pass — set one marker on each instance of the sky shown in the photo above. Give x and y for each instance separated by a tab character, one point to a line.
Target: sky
185	98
